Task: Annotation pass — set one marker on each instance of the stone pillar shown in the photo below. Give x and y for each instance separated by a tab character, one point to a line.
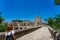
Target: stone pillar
18	26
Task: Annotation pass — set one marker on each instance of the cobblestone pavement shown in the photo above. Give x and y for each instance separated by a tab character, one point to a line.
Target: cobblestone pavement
40	34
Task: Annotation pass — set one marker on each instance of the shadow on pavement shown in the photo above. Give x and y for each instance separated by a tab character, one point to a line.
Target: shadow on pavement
22	33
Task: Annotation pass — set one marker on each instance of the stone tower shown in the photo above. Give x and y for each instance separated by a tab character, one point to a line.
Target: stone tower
37	21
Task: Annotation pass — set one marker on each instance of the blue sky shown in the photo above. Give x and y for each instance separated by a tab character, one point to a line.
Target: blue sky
28	9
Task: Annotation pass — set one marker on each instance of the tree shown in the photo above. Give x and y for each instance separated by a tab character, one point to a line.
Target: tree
1	19
57	20
17	20
54	22
49	21
2	27
57	2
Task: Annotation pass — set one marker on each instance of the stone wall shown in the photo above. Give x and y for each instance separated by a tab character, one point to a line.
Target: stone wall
54	33
20	33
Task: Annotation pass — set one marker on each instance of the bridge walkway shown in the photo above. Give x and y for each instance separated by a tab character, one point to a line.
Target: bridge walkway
40	34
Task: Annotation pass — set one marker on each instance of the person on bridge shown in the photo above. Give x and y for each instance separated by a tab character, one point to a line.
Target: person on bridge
10	34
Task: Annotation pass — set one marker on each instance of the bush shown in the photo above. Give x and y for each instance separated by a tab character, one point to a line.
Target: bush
2	28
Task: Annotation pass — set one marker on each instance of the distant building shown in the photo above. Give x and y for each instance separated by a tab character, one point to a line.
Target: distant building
27	24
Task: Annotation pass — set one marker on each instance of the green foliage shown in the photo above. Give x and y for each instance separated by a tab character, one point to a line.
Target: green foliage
1	19
17	20
2	28
49	21
57	2
54	22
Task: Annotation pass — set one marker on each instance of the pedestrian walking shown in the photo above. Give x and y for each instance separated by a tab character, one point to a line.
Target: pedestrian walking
10	33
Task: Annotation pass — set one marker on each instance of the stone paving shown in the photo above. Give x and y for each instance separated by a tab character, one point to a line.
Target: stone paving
40	34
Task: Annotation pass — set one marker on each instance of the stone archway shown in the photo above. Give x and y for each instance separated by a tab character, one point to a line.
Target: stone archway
24	24
21	28
37	21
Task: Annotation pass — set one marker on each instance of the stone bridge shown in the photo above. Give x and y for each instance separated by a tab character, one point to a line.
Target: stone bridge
37	33
21	32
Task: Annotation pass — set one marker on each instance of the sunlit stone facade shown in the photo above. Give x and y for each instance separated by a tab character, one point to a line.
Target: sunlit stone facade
26	24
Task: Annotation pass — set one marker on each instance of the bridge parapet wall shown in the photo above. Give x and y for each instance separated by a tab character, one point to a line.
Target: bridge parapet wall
54	33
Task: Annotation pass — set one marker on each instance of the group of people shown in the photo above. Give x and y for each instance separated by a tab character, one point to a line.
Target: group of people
10	33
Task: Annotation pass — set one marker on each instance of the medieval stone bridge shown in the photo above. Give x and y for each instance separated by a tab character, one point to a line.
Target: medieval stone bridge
38	33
